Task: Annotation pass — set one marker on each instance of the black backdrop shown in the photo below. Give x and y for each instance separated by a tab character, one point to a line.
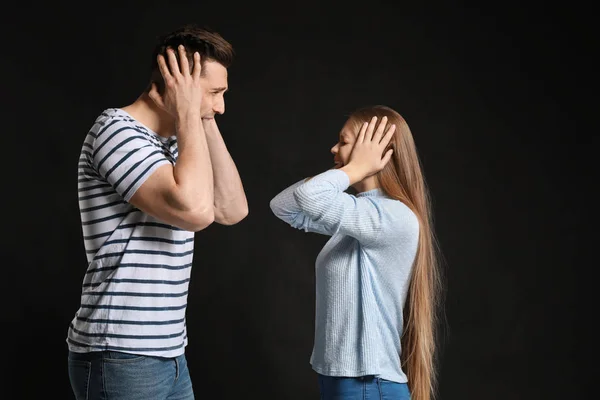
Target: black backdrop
490	95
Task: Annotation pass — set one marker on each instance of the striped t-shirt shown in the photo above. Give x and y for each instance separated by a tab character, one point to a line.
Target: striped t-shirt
134	291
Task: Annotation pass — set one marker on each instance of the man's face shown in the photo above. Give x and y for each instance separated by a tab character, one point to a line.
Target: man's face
214	83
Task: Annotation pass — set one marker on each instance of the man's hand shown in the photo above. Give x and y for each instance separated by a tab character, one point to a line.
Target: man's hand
183	93
210	126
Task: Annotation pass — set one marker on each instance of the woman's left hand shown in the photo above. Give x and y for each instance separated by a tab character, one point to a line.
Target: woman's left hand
367	156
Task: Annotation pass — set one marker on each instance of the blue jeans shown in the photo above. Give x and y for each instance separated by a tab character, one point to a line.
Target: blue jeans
109	374
361	388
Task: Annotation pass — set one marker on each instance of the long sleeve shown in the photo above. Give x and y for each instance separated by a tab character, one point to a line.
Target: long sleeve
362	274
324	202
285	207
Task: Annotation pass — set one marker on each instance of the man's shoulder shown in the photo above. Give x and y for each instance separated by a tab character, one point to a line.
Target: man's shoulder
113	118
114	121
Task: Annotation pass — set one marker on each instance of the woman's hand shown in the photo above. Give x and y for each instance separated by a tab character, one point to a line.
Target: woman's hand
367	156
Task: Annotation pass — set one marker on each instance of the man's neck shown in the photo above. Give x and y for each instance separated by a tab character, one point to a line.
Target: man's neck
149	114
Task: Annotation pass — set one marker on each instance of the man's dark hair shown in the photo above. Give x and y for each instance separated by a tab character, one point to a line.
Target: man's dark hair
204	40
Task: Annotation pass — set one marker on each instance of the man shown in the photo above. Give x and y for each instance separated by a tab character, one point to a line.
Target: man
150	175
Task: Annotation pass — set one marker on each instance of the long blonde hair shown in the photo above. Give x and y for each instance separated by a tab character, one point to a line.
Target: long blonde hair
403	179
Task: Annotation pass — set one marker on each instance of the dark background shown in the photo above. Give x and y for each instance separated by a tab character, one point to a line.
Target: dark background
492	96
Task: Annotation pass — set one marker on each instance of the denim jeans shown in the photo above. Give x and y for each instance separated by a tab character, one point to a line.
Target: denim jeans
120	376
361	388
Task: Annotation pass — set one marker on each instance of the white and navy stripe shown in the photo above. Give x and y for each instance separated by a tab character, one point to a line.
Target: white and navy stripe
135	288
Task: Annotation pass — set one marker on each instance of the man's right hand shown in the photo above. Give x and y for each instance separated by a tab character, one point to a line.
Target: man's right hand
183	94
181	194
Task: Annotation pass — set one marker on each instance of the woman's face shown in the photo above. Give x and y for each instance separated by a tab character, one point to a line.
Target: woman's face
343	148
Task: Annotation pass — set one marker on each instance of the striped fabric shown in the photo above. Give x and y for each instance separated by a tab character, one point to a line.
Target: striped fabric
134	292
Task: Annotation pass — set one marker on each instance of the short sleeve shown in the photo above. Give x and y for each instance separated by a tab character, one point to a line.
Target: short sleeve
125	157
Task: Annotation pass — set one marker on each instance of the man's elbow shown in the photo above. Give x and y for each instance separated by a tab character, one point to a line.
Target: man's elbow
242	213
201	219
232	217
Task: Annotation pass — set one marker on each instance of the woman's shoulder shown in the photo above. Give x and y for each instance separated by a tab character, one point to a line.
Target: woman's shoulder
399	215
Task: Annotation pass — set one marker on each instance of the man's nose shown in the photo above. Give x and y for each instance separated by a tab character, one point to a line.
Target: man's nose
219	107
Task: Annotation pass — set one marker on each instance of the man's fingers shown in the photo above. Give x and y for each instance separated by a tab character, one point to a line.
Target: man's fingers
197	66
173	65
185	66
155	96
162	66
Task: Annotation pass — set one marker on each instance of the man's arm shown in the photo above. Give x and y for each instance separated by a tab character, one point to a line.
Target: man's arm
230	204
181	195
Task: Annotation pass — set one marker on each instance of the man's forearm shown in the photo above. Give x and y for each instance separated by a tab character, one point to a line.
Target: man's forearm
193	171
230	201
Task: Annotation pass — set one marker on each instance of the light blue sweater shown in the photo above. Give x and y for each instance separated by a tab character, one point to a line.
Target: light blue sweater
362	273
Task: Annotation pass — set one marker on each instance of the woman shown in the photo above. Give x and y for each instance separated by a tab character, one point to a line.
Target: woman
377	279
